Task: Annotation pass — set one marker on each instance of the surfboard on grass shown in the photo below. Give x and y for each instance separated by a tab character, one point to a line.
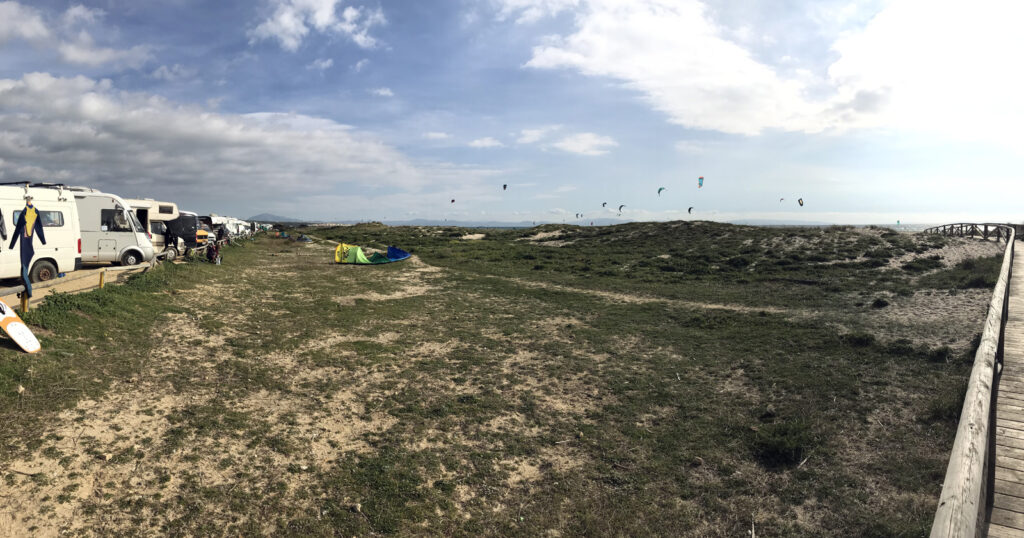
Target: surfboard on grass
15	328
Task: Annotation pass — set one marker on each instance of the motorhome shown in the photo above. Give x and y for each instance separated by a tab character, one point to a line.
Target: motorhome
110	230
154	217
58	214
185	227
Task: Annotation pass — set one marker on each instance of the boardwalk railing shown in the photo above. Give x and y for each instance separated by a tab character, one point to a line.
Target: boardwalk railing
966	491
983	230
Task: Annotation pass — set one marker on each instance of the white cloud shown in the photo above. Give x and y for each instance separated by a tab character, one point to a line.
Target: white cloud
70	35
689	66
358	66
293	20
79	14
173	73
586	144
530	136
321	64
955	75
486	142
436	135
18	21
82	50
533	10
673	54
383	92
137	142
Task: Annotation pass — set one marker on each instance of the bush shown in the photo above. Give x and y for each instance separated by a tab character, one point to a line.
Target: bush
783	444
921	265
946	405
879	303
859	339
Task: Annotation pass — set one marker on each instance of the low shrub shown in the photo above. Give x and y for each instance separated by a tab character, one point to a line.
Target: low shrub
783	444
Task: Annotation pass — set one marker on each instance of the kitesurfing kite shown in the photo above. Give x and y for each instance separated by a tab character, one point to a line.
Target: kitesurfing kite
700	182
690	210
504	187
781	199
620	207
604	204
659	190
453	200
801	202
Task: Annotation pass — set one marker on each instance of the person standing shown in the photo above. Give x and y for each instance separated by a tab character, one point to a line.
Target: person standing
28	224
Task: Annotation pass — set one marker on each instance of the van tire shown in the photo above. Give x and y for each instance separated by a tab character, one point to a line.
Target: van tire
131	258
42	271
172	254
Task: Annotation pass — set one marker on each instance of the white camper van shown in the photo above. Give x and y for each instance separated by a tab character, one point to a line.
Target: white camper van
110	230
154	216
58	214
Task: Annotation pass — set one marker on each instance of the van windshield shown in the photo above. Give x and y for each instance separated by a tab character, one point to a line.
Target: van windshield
135	222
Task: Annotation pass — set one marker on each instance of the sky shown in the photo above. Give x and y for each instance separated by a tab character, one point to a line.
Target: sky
871	111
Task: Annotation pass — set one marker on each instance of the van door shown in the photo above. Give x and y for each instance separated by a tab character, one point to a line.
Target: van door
114	225
106	251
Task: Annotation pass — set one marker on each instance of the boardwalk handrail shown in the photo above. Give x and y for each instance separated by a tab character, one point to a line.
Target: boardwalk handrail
963	504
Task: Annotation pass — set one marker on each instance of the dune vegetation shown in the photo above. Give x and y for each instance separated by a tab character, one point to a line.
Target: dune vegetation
673	379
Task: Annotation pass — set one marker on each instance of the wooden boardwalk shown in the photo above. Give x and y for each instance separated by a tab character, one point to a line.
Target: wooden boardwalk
1007	516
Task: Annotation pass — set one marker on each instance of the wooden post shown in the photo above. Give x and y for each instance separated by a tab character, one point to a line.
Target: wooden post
24	302
103	275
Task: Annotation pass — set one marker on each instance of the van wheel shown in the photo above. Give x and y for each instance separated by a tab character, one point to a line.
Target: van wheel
131	258
172	253
42	271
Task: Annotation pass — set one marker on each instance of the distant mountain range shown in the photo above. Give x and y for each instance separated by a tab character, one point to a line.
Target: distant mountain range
268	217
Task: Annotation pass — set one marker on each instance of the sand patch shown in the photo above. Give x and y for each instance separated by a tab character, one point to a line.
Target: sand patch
473	237
541	236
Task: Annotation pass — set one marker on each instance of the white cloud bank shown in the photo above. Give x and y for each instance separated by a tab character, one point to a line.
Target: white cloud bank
934	65
382	92
83	131
293	20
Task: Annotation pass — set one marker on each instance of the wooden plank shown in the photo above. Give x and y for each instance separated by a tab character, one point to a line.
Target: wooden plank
1007	518
1012	489
1010	475
1009	452
1008	502
1007	432
998	531
1009	424
1009	415
1010	386
1010	406
1010	395
1012	442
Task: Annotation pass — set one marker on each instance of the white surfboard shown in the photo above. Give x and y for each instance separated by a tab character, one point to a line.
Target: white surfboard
11	323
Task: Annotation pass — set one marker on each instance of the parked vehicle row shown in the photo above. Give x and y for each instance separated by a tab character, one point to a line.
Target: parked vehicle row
83	225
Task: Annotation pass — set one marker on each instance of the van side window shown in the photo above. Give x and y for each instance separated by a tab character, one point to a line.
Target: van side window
158	227
50	219
114	220
167	209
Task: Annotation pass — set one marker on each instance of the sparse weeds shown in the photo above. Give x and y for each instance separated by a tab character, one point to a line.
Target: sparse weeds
593	396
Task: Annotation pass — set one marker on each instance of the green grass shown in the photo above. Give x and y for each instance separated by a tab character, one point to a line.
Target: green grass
594	395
